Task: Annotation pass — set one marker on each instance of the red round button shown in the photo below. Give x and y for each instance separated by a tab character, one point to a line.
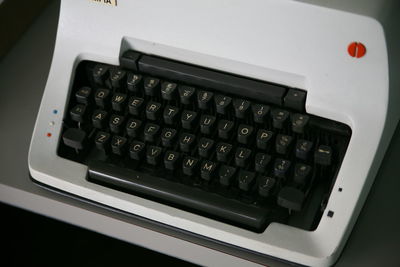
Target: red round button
356	49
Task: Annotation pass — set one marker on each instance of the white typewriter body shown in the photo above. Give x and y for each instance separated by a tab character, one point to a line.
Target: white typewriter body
285	42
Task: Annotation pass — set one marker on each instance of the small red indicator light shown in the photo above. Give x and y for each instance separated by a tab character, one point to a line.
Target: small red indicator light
48	134
356	49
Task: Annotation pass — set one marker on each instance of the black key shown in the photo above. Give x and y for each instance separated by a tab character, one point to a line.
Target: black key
168	136
263	138
204	99
295	99
99	118
151	86
170	114
283	143
186	94
188	119
265	185
303	148
226	174
133	127
281	167
279	118
168	90
117	77
204	147
136	150
211	79
116	122
171	159
186	142
118	144
129	60
290	198
78	113
252	216
153	110
301	173
118	101
189	165
153	155
207	124
299	122
134	81
225	128
223	151
101	97
102	140
83	94
100	73
135	105
241	108
75	138
261	162
260	113
150	132
244	133
222	103
246	180
207	169
242	156
323	155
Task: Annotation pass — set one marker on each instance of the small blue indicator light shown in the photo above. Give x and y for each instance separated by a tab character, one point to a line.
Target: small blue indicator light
55	111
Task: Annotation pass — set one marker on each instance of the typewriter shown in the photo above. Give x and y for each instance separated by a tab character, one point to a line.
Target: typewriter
259	125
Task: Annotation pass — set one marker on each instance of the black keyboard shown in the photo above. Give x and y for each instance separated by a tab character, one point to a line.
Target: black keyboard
231	148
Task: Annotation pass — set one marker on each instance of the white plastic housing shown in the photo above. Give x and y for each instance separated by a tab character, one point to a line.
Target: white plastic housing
285	42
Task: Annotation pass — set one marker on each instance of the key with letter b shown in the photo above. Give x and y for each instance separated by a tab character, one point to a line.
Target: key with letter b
171	160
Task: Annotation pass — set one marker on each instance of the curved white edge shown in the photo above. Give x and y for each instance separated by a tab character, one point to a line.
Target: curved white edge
285	42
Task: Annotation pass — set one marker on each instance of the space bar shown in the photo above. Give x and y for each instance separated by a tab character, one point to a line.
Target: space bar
181	195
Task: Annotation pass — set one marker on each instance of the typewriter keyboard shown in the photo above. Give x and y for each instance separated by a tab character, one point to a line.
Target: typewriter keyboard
231	148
